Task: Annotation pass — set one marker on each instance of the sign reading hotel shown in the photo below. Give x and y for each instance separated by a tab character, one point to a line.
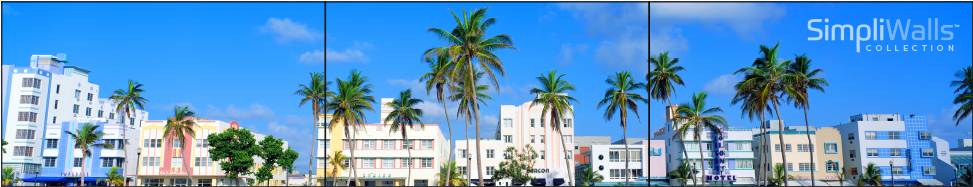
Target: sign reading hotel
719	161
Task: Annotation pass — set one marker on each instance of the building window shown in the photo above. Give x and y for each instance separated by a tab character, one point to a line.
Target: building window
427	144
531	122
889	119
542	122
50	162
542	138
830	147
929	170
542	155
369	163
77	94
23	151
872	152
55	104
421	182
176	144
804	166
490	170
896	152
787	148
615	156
896	170
875	119
567	123
832	167
29	99
925	135
426	163
509	139
101	113
777	147
27	116
347	163
346	144
78	162
378	128
508	123
31	83
462	170
90	96
851	136
803	148
489	153
388	163
790	166
201	143
742	146
76	109
462	153
176	162
744	164
388	144
870	135
52	144
928	153
25	134
107	162
111	115
408	144
57	89
204	182
567	138
368	144
893	135
852	152
570	155
406	163
87	111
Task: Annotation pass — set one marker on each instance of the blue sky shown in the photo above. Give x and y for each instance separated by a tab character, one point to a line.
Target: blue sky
714	40
227	61
586	41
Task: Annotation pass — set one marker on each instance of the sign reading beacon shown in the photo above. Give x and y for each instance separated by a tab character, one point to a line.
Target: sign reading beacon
924	39
719	163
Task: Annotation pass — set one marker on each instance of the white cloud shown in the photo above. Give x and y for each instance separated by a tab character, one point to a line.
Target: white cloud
231	113
7	10
547	17
565	57
489	120
667	39
296	120
722	85
348	55
624	28
317	56
746	19
287	31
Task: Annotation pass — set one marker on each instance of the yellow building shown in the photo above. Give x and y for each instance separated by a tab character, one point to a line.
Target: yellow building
328	148
825	146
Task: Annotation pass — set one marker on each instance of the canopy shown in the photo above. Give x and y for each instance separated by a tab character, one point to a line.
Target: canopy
930	182
558	181
486	182
45	179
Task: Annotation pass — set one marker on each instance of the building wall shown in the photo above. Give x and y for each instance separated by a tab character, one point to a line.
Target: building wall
5	73
583	144
674	154
602	151
824	136
658	159
909	129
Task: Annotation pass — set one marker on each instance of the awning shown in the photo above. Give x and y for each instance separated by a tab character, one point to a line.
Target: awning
486	182
930	182
558	182
538	182
45	179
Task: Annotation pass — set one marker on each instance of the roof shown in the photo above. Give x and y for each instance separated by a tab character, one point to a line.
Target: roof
631	140
962	149
961	159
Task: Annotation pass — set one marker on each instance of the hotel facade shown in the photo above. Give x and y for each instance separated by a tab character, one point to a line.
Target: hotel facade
520	126
825	145
381	156
163	161
731	151
610	160
906	143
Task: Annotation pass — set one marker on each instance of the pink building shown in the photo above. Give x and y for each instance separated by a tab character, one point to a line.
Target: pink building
656	160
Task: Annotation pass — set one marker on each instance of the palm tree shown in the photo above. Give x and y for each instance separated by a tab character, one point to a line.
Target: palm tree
661	79
466	43
767	76
804	79
841	175
450	179
620	98
697	118
405	114
4	145
754	106
588	177
347	106
126	102
965	179
315	93
551	95
682	173
965	98
439	77
871	175
468	100
337	162
778	177
114	178
85	138
179	128
648	86
9	177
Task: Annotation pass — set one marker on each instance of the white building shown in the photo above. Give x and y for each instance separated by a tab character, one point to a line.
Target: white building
47	92
609	161
520	126
916	157
381	156
736	158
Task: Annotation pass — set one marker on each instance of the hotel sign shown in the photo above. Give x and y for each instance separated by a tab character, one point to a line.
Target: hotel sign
719	161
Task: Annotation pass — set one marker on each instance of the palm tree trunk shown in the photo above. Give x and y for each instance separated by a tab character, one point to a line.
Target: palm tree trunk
627	155
411	162
468	160
186	165
314	148
476	111
702	162
125	150
810	145
449	171
567	163
682	139
352	158
763	150
353	147
780	132
83	158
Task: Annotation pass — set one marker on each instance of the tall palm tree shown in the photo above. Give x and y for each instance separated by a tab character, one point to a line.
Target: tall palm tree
779	178
841	175
754	106
179	128
85	138
450	179
314	92
126	102
871	175
663	78
113	177
804	79
767	76
588	177
347	106
469	99
405	114
337	162
965	85
698	118
466	44
552	97
439	77
682	173
621	97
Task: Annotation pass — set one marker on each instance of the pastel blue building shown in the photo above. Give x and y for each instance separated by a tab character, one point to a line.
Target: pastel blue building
62	161
901	146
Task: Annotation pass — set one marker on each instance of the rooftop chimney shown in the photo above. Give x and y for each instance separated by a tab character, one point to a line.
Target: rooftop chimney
671	112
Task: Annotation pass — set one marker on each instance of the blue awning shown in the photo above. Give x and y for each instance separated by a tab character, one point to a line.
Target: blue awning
45	179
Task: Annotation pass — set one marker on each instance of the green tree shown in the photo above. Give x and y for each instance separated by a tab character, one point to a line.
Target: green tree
754	106
178	129
469	99
698	118
85	138
126	102
663	78
767	76
113	177
9	177
271	151
682	173
588	177
347	106
517	165
803	79
4	145
337	162
966	97
620	98
467	42
405	114
778	177
313	92
286	162
438	76
450	179
871	175
842	175
557	103
236	147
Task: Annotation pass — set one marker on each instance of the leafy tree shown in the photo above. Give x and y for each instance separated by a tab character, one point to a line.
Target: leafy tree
9	177
842	174
469	98
552	97
348	107
450	179
439	77
85	138
405	113
314	92
287	162
803	80
620	98
871	175
778	177
588	176
114	178
271	150
682	173
965	179
250	182
336	162
966	97
179	128
698	118
236	148
127	101
663	78
517	165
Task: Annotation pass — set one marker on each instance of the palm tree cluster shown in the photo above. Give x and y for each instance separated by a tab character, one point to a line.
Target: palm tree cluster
965	98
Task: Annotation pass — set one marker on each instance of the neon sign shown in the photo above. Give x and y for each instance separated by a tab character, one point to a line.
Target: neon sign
719	161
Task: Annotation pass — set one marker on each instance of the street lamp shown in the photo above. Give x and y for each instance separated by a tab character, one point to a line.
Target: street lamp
955	178
137	159
892	173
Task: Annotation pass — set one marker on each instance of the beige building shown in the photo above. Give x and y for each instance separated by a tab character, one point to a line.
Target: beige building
825	147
